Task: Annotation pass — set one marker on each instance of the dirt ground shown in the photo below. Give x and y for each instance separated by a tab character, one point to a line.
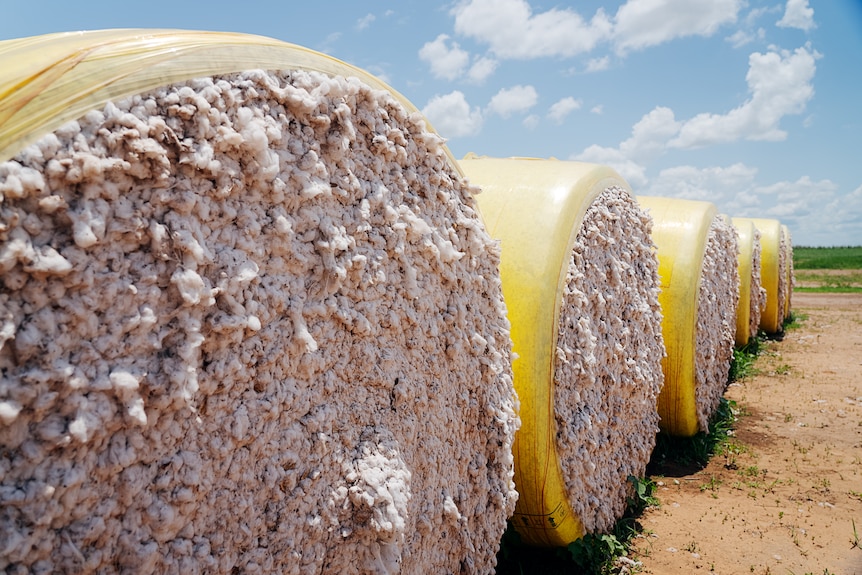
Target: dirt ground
788	501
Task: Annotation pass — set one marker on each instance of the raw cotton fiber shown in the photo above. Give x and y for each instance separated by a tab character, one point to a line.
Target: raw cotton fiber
250	324
757	295
607	373
718	296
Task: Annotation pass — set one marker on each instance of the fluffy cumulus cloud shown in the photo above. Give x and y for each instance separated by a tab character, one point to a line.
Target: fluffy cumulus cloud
780	85
728	186
797	14
562	108
650	135
452	117
631	171
446	58
639	24
513	100
482	69
648	141
813	210
512	31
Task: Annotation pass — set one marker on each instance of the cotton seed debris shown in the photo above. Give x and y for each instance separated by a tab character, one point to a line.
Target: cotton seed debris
607	372
250	323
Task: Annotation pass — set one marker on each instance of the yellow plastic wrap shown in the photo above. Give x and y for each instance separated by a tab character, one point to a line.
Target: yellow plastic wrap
680	231
536	208
46	81
771	319
746	230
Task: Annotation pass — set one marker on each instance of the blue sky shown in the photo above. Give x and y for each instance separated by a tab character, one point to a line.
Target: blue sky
754	105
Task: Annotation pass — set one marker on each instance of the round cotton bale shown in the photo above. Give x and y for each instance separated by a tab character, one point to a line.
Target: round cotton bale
697	252
752	296
250	321
773	274
580	281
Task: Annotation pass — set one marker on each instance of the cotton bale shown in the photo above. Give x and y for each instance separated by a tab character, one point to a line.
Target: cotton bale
697	253
789	276
580	282
773	274
752	296
250	318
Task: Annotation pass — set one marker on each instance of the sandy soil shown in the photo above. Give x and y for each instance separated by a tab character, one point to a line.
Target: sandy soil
787	503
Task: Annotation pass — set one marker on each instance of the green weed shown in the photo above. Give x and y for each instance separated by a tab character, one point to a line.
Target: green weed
697	450
854	542
592	554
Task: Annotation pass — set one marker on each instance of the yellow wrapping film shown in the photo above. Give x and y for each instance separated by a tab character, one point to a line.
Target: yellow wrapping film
535	208
680	231
788	271
46	81
745	230
770	254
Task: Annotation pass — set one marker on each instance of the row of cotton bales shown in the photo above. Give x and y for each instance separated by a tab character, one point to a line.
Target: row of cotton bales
625	310
252	318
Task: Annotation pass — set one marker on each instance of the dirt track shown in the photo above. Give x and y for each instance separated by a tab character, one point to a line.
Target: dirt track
788	501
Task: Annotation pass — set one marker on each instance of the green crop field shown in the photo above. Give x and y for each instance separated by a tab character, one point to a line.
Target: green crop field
833	270
843	258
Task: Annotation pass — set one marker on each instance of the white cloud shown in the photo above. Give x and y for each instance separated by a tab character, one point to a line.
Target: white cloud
562	108
511	30
720	185
598	109
814	211
365	21
531	121
446	61
482	69
797	14
648	140
845	219
643	23
742	37
633	173
650	135
780	85
512	100
452	116
598	64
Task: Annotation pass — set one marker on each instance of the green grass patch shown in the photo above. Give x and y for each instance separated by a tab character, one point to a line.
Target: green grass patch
689	453
742	363
794	321
829	281
835	258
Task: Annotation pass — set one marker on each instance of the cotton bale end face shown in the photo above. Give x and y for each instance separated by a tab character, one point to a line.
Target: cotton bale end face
718	300
789	276
580	282
250	318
